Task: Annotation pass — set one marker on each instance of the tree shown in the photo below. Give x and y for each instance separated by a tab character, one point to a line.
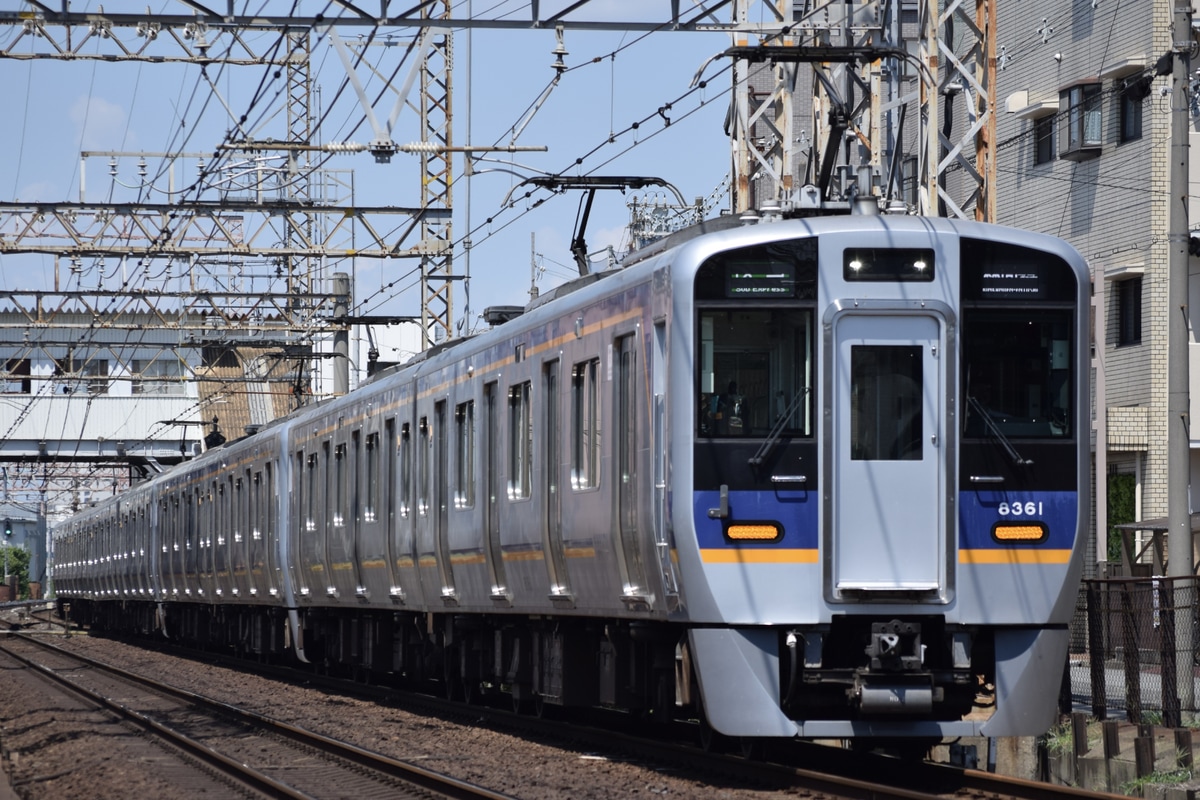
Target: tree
17	561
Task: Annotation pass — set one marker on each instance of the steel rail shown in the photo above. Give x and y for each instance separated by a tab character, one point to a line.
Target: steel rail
428	780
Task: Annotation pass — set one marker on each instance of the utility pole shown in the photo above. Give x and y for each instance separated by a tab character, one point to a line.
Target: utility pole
1179	524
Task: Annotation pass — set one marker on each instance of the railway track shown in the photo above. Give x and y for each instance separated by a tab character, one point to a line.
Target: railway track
801	768
260	756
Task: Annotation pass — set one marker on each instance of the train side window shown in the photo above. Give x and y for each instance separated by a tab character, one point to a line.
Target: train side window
423	466
269	505
339	485
354	479
371	500
1017	368
221	513
755	369
256	505
520	441
310	511
464	422
301	489
585	425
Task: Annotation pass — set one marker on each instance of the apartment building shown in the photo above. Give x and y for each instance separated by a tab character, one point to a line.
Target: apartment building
1082	152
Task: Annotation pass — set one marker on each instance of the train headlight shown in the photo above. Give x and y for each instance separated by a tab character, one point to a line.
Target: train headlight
1029	532
754	532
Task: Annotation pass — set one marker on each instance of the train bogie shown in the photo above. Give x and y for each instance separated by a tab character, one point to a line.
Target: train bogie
821	477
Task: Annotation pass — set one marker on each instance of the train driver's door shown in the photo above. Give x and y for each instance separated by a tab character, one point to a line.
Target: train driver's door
886	520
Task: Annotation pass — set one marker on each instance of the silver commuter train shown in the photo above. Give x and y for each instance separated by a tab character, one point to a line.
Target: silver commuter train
825	477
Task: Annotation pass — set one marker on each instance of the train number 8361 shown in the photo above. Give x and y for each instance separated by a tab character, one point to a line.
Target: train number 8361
1019	509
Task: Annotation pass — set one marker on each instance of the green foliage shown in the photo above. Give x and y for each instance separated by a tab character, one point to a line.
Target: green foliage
1122	507
1135	787
1060	739
17	559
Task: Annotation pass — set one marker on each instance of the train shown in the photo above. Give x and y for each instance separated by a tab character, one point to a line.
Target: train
821	477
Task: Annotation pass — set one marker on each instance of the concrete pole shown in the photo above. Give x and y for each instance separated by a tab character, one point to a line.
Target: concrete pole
1179	526
341	339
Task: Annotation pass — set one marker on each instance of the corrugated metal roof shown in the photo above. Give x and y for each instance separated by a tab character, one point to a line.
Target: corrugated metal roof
239	396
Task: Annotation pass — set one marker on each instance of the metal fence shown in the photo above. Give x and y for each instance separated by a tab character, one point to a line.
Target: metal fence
1134	649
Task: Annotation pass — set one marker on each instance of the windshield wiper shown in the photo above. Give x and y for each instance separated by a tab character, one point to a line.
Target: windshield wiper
991	425
760	456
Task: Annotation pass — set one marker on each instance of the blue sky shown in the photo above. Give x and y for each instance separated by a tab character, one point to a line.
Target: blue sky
66	107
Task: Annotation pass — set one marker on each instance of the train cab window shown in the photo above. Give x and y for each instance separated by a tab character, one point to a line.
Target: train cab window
1017	373
755	369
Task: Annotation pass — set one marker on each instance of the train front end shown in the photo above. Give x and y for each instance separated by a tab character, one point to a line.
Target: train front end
888	466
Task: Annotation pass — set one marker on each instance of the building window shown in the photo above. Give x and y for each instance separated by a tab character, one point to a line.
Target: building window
77	376
1129	311
1131	112
912	182
16	377
1080	134
212	355
1043	134
157	376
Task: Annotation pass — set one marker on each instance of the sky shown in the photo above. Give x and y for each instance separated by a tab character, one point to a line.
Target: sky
613	79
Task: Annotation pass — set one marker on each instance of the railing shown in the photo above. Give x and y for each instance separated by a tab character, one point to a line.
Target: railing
1134	649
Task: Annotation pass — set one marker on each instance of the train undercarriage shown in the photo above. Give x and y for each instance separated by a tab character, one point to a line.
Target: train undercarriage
539	662
856	668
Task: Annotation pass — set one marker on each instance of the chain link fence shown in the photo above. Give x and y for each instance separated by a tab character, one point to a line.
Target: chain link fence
1134	650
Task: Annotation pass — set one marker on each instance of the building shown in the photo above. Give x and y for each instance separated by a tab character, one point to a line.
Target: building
1083	147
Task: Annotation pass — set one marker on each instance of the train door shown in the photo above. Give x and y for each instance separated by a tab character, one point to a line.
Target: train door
220	534
411	513
662	538
625	410
270	531
330	520
360	506
245	524
887	527
441	510
552	534
492	473
388	452
164	553
305	553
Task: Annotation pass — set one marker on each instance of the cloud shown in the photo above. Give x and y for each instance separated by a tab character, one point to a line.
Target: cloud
101	125
38	191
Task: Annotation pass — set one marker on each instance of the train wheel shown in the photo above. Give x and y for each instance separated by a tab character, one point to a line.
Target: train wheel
520	699
752	748
710	739
451	681
470	691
